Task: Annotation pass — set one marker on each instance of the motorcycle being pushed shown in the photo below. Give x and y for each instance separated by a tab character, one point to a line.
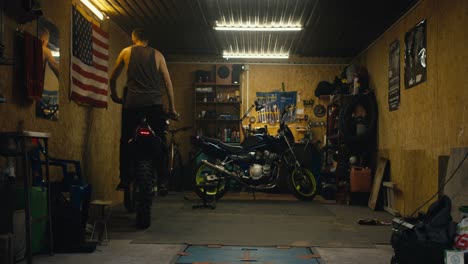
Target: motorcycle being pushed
254	164
146	147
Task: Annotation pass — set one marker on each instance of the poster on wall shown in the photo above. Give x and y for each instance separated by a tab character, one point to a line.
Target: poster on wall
415	55
274	104
48	106
394	76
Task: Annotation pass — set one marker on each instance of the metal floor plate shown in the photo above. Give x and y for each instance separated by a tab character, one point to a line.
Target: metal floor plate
232	255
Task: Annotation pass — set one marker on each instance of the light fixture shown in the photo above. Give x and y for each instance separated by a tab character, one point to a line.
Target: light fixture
257	27
228	55
91	7
55	53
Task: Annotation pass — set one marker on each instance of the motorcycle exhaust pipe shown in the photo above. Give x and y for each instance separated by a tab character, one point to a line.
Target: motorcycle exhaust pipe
218	168
235	176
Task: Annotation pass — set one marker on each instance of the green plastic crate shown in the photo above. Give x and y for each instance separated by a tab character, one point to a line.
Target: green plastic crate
38	198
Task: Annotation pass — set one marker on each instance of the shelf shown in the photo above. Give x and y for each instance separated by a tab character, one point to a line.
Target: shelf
204	83
214	84
221	120
219	103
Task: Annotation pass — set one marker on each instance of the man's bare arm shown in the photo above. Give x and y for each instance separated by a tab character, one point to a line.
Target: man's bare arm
119	65
167	79
51	61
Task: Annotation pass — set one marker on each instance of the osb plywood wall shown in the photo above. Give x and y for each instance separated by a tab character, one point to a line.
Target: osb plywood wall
433	115
81	133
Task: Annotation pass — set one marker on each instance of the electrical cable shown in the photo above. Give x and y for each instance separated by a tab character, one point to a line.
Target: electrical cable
443	185
438	191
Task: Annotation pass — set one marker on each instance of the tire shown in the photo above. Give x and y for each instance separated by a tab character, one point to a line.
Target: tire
303	184
129	198
176	175
144	194
214	193
347	126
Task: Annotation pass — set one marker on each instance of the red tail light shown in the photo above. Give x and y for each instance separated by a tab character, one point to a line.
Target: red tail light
144	132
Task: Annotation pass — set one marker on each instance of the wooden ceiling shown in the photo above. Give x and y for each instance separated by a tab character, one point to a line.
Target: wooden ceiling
332	28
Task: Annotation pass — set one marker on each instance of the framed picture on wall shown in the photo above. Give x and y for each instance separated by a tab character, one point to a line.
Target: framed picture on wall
416	55
394	76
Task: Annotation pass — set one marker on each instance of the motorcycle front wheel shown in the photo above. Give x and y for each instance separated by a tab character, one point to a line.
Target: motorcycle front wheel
144	194
303	184
201	171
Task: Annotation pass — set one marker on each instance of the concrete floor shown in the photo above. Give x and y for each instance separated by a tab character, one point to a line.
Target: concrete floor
121	250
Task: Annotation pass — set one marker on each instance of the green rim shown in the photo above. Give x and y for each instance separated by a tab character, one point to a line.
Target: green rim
304	183
202	170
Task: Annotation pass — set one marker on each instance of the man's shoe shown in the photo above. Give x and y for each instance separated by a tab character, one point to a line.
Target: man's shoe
123	184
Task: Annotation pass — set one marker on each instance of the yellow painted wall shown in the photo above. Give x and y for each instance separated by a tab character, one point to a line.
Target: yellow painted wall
433	115
81	133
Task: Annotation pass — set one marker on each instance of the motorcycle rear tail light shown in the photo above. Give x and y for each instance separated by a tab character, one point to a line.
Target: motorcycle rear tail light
144	131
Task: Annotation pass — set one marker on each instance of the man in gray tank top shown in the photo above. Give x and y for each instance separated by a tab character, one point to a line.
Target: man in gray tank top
143	97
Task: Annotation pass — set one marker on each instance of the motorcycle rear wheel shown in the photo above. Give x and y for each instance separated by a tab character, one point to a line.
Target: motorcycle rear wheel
200	172
303	184
144	194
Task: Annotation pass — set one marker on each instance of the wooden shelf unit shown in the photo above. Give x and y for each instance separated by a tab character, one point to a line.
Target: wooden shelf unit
217	111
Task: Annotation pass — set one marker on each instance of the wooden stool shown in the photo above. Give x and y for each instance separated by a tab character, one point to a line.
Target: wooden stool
104	209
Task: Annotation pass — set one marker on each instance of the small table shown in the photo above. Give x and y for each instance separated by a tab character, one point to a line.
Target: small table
21	138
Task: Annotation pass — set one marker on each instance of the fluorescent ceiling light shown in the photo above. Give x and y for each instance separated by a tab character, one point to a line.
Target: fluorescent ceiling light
227	55
91	7
257	27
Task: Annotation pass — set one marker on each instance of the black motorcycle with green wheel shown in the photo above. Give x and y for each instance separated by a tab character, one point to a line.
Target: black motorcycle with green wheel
254	164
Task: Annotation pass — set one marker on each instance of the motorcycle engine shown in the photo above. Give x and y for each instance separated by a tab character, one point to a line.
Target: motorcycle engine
262	166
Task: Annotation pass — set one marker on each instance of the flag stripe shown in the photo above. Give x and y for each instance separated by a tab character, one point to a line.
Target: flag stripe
89	89
100	67
103	51
100	31
94	85
89	63
100	55
89	75
87	68
87	100
100	43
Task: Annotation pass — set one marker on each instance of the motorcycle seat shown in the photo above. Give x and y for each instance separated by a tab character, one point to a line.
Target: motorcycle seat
221	144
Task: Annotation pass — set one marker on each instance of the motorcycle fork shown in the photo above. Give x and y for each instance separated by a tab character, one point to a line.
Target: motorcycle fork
293	155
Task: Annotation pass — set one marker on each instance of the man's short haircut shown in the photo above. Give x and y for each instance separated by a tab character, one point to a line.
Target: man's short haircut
140	34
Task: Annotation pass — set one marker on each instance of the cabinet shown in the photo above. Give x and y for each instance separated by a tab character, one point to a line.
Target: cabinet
217	111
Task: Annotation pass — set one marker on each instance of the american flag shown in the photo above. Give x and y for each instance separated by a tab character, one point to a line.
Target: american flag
89	62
